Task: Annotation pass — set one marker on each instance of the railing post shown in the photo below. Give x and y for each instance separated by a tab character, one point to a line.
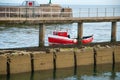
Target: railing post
105	12
41	12
5	12
38	13
20	12
50	12
41	34
30	14
113	11
88	12
9	12
97	12
79	12
113	32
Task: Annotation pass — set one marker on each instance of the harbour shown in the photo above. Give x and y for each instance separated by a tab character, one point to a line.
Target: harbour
98	58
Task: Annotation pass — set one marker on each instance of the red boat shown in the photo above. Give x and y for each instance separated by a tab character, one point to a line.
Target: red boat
62	38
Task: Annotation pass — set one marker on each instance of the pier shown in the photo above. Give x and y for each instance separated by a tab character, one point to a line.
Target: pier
42	21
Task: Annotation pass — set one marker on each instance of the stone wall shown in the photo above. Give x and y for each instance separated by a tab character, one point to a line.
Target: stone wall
22	61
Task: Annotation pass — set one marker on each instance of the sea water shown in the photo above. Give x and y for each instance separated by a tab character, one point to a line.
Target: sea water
27	36
81	73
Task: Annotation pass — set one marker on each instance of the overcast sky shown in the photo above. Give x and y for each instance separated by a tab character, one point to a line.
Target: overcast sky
81	2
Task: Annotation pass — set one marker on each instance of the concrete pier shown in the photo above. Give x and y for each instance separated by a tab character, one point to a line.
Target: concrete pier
113	31
53	20
80	32
41	34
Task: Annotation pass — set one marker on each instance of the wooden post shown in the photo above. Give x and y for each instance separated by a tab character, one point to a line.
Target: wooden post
41	34
75	63
32	62
113	32
113	61
95	60
80	32
8	65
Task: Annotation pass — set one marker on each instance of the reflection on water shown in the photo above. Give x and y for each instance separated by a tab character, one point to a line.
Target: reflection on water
104	72
27	36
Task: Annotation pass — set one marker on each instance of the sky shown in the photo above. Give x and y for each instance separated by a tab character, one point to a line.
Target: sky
80	2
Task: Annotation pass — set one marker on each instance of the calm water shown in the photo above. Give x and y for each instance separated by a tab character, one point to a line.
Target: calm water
27	36
81	73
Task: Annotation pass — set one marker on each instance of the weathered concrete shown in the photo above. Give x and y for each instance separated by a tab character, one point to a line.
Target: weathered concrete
64	59
55	20
3	66
43	61
113	31
20	63
104	56
85	57
41	34
117	57
98	59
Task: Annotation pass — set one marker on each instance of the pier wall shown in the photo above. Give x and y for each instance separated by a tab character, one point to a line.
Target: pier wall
36	60
20	64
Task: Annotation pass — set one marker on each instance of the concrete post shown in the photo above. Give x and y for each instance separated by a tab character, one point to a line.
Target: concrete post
80	32
113	32
41	34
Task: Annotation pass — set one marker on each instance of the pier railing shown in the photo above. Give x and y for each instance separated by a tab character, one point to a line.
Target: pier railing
97	12
36	12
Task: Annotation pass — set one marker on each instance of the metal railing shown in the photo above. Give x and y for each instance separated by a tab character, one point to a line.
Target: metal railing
97	12
36	12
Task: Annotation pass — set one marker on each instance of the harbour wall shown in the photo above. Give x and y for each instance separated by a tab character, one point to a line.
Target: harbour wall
29	61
